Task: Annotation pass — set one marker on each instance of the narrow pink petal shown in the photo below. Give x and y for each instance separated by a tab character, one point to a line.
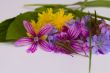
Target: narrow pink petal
71	31
85	32
62	36
77	33
45	45
58	49
33	48
23	41
45	30
28	27
77	45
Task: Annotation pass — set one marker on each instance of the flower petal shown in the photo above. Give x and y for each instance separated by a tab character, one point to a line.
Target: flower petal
94	38
62	36
73	32
103	24
100	51
84	20
23	41
45	30
103	30
85	32
33	48
77	45
28	27
45	45
58	49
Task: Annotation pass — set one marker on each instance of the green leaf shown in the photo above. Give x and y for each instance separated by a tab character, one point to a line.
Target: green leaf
4	27
16	29
95	3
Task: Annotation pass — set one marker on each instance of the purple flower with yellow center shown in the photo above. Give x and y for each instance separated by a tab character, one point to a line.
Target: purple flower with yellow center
100	44
34	38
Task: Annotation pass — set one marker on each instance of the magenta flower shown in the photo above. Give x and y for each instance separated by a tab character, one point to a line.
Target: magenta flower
35	39
77	45
78	28
52	39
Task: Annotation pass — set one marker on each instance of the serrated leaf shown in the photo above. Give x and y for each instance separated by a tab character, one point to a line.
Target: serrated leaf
98	3
4	27
16	29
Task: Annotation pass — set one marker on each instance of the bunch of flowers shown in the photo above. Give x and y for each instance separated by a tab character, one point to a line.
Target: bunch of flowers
60	29
62	33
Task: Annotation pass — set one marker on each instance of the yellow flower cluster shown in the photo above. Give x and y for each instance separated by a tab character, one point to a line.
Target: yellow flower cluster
57	19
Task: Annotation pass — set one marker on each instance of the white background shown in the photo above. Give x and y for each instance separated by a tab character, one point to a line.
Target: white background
16	60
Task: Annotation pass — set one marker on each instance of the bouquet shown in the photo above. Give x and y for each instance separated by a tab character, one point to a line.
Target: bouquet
59	29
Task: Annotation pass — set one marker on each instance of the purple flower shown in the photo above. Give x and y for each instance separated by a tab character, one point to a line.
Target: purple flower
105	28
70	34
78	28
35	39
100	44
79	46
52	39
76	44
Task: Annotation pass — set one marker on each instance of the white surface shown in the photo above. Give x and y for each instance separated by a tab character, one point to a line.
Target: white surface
16	60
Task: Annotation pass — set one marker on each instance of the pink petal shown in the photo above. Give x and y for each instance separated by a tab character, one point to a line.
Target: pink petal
77	45
58	49
77	34
33	48
45	45
85	32
23	41
28	27
72	31
45	30
62	36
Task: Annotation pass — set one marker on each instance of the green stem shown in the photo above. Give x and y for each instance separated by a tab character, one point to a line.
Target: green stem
98	16
90	42
44	4
83	5
90	54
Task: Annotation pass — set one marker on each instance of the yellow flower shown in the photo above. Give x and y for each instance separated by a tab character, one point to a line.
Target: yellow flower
57	19
45	17
60	19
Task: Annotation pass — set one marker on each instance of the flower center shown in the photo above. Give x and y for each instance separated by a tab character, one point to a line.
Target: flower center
36	39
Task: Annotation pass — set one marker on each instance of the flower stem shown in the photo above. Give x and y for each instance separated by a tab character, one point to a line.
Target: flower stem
90	42
90	54
45	4
83	5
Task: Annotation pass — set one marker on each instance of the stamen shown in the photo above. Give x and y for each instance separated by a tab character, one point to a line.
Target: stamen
36	39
